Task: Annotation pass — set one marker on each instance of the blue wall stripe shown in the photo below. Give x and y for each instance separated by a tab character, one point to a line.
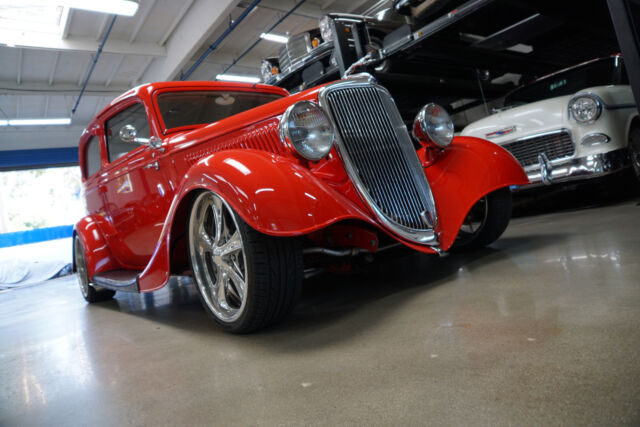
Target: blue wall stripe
14	159
33	236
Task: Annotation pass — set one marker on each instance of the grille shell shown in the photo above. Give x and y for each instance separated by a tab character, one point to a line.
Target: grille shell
556	145
295	49
380	158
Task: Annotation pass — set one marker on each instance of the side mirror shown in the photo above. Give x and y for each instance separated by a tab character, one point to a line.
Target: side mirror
128	134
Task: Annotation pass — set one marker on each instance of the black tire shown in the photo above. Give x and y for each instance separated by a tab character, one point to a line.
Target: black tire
266	274
634	149
495	209
88	290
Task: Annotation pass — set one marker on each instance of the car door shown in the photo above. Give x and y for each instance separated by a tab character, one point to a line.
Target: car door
136	186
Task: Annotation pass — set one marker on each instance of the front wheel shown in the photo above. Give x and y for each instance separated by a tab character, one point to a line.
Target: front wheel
246	280
486	221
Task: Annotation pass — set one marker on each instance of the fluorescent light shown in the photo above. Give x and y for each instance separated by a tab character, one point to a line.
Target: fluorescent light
236	78
115	7
274	37
34	122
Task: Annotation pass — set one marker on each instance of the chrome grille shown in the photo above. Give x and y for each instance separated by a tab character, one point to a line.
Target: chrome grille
556	145
380	156
296	48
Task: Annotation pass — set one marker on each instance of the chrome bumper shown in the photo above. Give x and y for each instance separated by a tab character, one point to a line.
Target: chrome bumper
576	168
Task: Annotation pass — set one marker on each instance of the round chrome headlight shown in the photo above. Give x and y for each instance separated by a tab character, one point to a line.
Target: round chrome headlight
267	70
585	108
307	129
433	123
325	28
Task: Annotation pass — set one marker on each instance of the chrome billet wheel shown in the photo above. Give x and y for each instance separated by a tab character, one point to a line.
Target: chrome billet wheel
89	292
246	280
217	253
81	267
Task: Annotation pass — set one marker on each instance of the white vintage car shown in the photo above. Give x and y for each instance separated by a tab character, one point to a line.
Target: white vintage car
577	123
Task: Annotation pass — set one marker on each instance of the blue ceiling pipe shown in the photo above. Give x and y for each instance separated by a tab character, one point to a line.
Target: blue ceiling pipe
215	44
235	61
95	60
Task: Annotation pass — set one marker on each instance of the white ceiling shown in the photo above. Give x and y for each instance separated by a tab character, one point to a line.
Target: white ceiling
163	40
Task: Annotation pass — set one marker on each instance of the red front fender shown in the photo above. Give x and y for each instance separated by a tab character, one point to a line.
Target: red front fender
271	193
466	171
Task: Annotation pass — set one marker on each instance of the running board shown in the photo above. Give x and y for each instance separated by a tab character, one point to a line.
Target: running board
118	280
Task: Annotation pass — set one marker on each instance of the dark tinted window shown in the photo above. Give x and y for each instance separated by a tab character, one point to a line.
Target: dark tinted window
134	115
195	108
599	73
92	161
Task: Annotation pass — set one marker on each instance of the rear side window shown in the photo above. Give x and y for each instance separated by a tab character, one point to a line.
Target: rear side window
92	159
135	116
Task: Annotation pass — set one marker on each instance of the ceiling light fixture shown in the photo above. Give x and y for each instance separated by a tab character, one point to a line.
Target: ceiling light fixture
274	37
236	78
115	7
35	122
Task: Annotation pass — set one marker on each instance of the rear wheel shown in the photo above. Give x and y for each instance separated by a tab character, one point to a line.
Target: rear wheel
89	292
246	280
486	221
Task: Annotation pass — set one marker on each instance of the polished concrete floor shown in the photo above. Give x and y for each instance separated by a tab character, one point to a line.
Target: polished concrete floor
541	328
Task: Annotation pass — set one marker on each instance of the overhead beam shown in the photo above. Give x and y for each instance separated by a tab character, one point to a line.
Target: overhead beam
198	24
143	18
307	10
114	71
67	24
103	26
19	78
9	87
84	72
52	73
85	44
136	79
176	20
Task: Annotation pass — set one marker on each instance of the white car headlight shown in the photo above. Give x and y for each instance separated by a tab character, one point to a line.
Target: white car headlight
585	108
325	28
433	123
307	129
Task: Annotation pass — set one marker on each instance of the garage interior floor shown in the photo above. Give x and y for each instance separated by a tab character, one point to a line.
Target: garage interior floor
541	328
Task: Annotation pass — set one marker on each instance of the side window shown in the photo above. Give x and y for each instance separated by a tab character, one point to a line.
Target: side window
134	115
92	159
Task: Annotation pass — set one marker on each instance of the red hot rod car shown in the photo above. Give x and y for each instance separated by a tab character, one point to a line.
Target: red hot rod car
244	187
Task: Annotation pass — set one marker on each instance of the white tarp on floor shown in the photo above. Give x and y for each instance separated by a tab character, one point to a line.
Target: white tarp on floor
35	262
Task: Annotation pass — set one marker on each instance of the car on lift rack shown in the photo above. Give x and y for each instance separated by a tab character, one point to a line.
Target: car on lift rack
578	123
247	188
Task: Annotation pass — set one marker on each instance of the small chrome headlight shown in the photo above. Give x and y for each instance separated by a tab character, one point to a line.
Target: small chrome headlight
267	70
585	108
307	129
325	28
433	123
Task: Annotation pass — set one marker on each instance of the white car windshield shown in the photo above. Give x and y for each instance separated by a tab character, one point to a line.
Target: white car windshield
602	72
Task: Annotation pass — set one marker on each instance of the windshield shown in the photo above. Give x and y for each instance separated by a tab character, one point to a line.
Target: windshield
201	107
603	72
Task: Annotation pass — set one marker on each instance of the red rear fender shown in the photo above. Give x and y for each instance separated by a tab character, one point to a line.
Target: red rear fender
466	171
96	250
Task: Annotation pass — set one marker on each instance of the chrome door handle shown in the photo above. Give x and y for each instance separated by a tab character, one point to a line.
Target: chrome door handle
153	165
